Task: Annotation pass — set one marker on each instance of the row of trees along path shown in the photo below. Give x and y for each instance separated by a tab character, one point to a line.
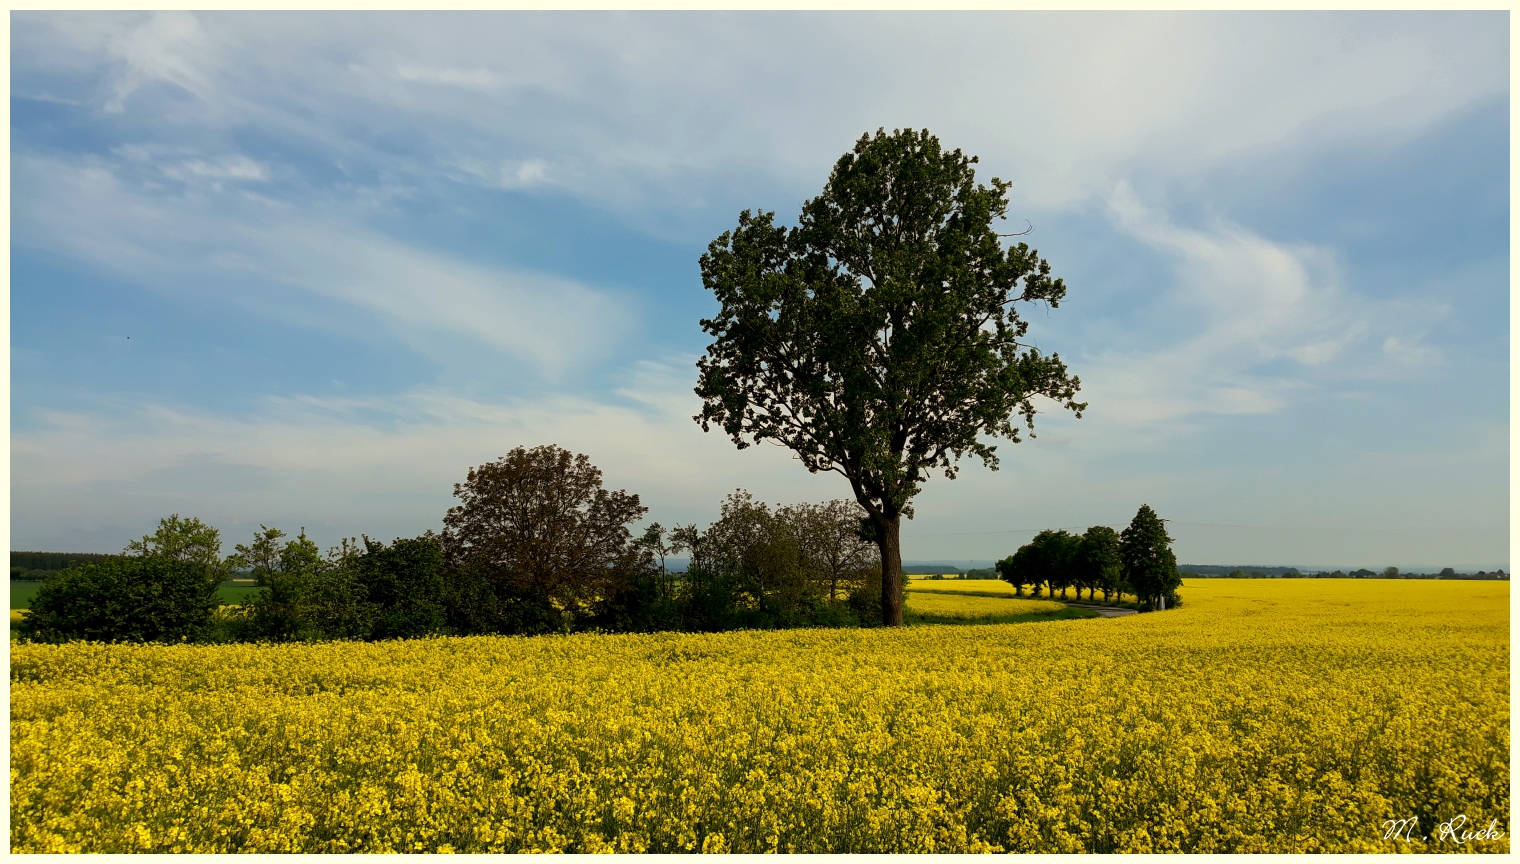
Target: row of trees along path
1138	561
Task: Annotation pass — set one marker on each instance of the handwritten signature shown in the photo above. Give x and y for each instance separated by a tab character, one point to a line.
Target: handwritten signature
1453	830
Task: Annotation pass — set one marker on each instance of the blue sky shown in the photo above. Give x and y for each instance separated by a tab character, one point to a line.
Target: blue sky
357	254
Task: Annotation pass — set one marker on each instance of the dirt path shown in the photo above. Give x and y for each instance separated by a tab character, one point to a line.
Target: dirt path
1105	611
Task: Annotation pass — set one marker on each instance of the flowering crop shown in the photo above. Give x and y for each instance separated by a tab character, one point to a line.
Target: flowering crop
957	586
1261	716
948	605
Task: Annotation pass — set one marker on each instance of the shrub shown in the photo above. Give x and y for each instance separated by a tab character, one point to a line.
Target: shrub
404	584
151	598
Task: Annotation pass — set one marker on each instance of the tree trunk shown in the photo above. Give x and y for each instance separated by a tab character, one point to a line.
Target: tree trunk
891	570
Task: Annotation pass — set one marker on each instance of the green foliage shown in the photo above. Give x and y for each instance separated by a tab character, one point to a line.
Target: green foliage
334	605
1056	560
804	564
1099	565
1018	570
359	591
283	573
1150	568
188	540
477	603
404	584
1049	560
878	338
143	598
537	523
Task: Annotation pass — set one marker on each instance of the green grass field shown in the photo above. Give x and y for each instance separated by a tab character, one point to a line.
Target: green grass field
23	592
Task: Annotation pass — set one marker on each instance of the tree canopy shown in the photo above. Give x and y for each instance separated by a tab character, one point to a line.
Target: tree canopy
1099	566
878	338
538	522
1150	568
188	540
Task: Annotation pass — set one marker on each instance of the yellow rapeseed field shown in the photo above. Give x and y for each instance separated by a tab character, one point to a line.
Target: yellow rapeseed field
950	605
993	586
1261	716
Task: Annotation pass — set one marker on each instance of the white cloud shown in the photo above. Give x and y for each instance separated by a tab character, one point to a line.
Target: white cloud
377	464
234	167
1246	300
644	110
162	48
523	174
1410	350
428	300
476	78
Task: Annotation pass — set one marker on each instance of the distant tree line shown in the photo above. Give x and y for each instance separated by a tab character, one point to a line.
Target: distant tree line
35	566
1139	561
935	571
535	545
1293	573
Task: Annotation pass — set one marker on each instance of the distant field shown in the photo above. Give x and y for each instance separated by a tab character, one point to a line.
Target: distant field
971	606
959	586
23	592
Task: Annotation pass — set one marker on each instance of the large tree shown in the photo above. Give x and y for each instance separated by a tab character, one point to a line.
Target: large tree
878	338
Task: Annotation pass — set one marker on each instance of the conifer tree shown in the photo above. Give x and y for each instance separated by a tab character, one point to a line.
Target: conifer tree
1150	568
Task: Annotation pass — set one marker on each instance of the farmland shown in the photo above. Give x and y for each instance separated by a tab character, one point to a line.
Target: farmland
1261	716
228	593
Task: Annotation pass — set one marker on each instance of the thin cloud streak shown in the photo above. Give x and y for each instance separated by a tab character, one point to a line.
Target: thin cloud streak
190	241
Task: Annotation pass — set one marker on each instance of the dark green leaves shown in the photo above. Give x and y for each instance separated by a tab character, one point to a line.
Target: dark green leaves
878	338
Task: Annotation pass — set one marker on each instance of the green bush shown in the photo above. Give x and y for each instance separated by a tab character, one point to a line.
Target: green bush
152	598
404	584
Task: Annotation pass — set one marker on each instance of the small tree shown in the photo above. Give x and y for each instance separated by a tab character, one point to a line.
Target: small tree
190	541
1018	570
334	603
835	551
403	583
538	523
878	338
283	573
1150	568
1099	562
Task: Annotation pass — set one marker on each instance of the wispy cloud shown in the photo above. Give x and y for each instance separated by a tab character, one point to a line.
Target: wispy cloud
646	110
233	167
1244	302
383	463
475	79
427	300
